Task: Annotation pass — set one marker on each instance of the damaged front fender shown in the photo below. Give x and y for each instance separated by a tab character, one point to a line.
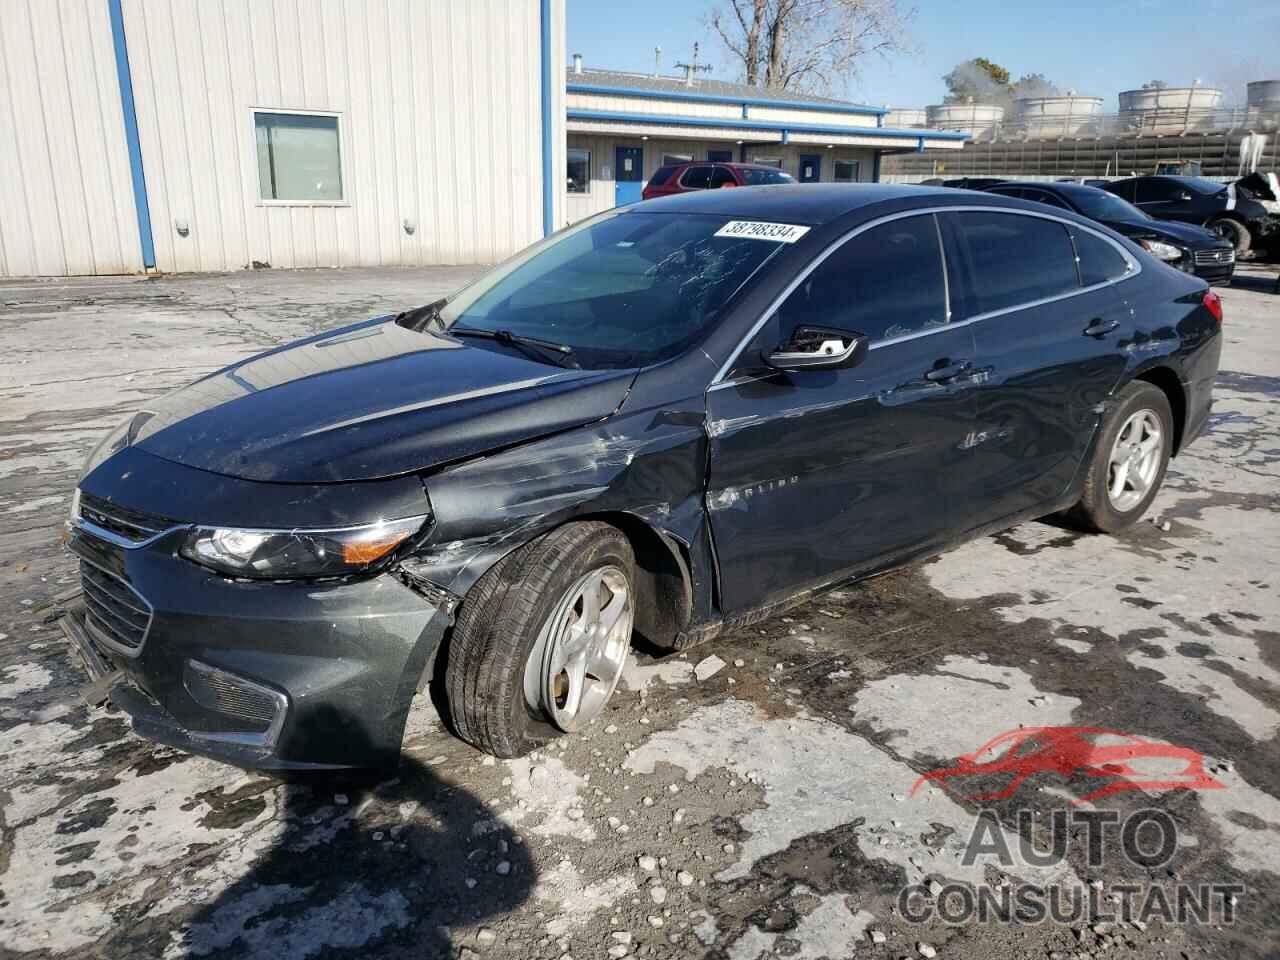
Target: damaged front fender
642	470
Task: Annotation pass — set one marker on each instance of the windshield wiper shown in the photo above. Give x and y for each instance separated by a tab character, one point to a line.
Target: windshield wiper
560	354
420	318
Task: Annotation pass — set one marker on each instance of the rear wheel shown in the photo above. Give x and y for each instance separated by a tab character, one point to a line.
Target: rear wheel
542	639
1129	461
1235	232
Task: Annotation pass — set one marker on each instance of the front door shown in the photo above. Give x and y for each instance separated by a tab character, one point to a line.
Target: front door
810	168
1048	352
821	473
628	174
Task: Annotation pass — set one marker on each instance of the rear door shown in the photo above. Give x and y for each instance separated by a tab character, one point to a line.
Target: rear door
1048	350
696	177
818	473
1166	199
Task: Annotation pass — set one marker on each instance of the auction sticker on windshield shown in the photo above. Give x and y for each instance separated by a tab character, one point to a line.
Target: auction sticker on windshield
759	230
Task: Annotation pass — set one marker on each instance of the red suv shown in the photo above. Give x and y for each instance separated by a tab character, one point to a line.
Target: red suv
683	177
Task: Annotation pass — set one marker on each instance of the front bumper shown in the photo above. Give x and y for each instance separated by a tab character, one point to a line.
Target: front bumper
334	665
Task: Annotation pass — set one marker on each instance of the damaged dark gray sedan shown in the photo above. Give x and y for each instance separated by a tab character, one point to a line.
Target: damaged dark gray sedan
668	420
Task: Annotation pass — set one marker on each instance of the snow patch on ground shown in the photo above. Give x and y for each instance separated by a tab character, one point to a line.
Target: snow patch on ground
23	678
565	887
979	701
802	760
349	920
1193	613
831	930
636	677
1252	841
547	790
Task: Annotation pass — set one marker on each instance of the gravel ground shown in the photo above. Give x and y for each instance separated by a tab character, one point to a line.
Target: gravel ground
756	805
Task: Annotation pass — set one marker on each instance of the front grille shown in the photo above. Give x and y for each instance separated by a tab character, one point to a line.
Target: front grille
1209	258
115	613
133	525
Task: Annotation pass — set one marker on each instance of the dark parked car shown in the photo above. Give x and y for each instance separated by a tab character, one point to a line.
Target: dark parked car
972	183
684	177
1219	207
1189	248
672	418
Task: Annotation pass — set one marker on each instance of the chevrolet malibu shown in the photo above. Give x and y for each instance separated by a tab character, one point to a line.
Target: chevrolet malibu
666	421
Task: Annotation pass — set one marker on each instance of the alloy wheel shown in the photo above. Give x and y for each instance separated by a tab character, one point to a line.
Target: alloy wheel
1135	460
579	654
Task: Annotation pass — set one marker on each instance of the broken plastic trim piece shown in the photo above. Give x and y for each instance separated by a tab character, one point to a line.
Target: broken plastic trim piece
412	573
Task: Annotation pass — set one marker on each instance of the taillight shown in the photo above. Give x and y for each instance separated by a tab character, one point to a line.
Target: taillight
1213	303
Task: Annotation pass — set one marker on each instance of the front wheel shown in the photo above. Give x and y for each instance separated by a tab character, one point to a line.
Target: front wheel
1129	461
542	639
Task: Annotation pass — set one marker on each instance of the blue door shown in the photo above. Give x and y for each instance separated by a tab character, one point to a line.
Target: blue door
628	175
810	168
720	156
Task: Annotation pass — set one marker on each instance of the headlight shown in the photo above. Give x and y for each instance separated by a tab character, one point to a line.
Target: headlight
296	554
1158	248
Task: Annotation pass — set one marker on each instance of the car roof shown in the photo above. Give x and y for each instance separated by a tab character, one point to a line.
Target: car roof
1067	188
810	203
726	163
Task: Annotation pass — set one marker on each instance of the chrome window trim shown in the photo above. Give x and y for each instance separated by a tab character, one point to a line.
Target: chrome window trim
1134	269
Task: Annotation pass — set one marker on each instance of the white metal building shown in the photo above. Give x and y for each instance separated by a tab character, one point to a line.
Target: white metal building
194	135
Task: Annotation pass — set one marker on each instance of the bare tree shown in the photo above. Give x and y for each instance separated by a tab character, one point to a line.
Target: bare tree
807	45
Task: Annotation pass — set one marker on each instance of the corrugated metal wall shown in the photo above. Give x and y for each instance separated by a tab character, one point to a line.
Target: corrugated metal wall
66	204
439	108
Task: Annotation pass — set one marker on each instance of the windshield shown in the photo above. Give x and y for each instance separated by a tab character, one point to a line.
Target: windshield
625	290
756	178
1100	205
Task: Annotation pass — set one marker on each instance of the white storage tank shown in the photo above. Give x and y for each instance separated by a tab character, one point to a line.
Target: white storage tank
980	120
906	118
1264	94
1155	108
1061	116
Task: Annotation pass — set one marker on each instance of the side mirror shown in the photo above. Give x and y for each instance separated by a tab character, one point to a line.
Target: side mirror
818	348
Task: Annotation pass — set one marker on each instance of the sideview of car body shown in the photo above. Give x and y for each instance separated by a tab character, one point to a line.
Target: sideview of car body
667	420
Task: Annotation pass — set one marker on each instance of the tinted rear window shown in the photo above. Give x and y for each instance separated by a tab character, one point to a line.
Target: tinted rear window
756	178
697	178
1099	260
884	283
1016	259
660	176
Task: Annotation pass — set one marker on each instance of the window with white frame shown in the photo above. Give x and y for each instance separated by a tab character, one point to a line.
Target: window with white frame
299	157
578	176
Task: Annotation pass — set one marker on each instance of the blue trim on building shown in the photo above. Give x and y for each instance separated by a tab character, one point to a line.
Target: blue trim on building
548	127
123	75
730	123
875	167
724	98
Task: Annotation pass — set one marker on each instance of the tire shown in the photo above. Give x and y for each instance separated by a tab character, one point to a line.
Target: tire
506	624
1235	231
1099	510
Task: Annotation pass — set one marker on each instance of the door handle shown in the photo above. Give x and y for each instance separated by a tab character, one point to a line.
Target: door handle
948	373
1100	328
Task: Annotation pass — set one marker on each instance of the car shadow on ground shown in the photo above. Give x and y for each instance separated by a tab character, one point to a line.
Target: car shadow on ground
401	863
1259	282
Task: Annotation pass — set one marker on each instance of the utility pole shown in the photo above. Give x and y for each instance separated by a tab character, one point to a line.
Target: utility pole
693	68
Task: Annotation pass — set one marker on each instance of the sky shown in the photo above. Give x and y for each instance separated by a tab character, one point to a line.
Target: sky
1098	48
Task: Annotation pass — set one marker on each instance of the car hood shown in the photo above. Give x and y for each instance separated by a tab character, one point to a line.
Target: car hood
369	401
1187	234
